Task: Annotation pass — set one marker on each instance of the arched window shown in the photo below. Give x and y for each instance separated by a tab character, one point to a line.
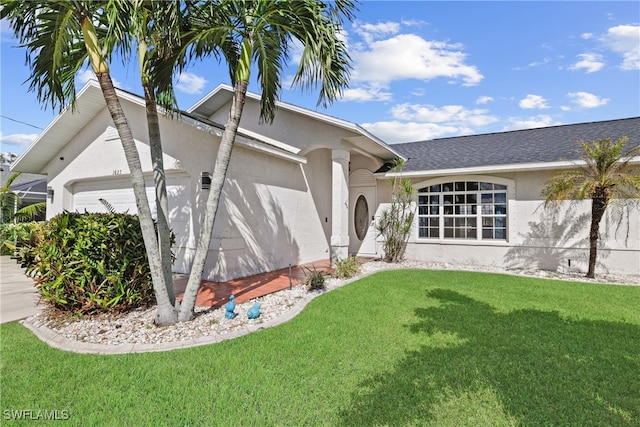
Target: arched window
474	210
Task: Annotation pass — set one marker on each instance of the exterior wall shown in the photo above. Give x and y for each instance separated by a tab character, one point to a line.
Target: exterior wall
294	129
274	212
538	237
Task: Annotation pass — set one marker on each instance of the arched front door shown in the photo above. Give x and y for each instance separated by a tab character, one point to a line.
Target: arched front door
362	208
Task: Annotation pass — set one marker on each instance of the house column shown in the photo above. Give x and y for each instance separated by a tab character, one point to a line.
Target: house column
340	205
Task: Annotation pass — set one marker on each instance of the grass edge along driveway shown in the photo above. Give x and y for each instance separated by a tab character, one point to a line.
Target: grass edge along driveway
404	347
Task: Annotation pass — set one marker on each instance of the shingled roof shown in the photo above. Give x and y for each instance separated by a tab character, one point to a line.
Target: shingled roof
542	145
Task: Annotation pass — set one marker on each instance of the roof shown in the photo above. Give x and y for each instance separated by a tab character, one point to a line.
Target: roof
90	101
364	140
554	146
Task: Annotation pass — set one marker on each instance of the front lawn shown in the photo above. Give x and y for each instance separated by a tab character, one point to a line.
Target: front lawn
406	347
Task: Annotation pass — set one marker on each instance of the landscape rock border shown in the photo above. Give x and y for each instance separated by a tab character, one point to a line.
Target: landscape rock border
95	336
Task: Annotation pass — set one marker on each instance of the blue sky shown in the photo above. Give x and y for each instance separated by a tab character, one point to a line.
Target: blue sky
424	70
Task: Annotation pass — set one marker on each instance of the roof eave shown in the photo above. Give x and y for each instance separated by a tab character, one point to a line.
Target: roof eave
520	167
35	158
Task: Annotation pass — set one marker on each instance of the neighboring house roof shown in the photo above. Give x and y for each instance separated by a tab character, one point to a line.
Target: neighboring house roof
542	148
364	140
32	191
5	174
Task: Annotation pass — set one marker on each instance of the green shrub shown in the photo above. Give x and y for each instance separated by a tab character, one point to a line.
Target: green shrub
394	225
18	240
93	262
346	268
314	280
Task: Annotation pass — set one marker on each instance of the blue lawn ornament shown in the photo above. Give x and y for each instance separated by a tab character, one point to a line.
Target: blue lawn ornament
230	306
254	312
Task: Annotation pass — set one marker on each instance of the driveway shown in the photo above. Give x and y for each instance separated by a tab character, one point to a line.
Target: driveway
18	296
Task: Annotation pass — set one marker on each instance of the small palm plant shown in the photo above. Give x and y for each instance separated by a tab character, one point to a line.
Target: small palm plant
607	174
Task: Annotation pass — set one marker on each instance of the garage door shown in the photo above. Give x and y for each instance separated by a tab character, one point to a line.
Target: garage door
119	194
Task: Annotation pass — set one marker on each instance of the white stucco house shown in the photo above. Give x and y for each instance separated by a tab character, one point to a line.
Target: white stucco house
309	187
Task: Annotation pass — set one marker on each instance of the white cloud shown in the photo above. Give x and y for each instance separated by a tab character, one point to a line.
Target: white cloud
408	56
533	102
484	100
625	40
190	83
397	131
20	139
452	115
86	75
591	62
370	32
587	36
587	100
539	121
362	94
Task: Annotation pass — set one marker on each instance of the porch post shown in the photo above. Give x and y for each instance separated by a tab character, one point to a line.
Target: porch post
340	205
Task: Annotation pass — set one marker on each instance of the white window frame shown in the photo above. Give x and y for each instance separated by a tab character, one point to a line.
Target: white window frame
478	215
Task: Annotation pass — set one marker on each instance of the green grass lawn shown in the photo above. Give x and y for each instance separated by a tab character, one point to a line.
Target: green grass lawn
396	348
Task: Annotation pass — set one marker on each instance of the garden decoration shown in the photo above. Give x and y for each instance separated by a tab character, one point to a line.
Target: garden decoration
230	306
254	312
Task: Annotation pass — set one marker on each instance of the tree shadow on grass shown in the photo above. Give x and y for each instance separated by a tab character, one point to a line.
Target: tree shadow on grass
478	366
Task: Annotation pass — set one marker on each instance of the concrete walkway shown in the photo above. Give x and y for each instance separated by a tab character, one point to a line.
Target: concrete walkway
18	296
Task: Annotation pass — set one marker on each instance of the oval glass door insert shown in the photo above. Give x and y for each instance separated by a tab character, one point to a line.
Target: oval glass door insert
361	217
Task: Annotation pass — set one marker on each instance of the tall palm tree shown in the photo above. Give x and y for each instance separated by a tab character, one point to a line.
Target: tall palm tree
607	174
59	38
154	28
245	33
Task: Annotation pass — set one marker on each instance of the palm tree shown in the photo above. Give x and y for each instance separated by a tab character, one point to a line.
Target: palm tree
261	32
607	174
153	25
59	38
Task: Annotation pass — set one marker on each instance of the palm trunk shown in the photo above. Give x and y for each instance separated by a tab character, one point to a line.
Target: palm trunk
598	207
217	181
166	313
159	179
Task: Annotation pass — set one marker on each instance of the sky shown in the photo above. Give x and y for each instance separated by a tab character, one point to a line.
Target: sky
424	70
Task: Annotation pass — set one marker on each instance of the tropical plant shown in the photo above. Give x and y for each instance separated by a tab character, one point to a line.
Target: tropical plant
11	204
346	268
155	29
19	239
92	262
60	37
605	175
261	32
313	279
394	224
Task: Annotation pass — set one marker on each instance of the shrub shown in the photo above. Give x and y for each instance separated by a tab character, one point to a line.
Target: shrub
93	262
396	221
346	268
314	280
19	240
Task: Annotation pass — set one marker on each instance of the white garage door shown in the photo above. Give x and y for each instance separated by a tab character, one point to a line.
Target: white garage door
119	194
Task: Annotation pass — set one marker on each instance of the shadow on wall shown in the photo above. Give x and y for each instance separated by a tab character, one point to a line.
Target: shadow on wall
558	236
254	237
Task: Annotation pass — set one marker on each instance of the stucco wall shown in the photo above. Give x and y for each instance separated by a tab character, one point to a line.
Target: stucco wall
267	220
539	237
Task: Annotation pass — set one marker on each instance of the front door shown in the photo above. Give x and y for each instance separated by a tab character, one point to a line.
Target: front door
362	230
